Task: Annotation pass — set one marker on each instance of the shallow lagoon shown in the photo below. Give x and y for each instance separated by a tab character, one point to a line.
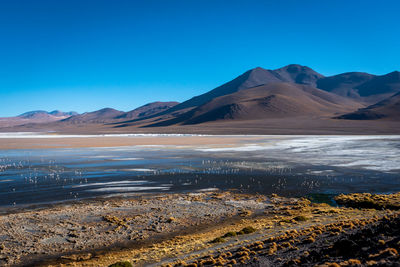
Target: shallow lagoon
287	165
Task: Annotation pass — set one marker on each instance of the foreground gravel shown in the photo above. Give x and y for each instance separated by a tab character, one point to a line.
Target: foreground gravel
32	236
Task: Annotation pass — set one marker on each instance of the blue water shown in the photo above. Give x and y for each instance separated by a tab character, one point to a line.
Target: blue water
286	165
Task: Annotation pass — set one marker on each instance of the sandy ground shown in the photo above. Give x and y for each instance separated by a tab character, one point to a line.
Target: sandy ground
267	126
110	141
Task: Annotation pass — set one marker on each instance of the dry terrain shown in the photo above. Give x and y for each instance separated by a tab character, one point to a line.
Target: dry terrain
203	229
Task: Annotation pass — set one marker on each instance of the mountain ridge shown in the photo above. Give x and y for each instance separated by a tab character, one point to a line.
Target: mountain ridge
56	113
359	86
251	78
273	100
287	92
388	108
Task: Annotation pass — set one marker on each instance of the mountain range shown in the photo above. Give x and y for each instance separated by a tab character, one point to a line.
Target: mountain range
259	96
104	115
36	116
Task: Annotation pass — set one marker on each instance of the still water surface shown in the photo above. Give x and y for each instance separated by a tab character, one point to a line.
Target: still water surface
287	165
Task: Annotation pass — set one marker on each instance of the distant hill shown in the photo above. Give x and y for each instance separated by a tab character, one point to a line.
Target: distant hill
255	77
344	84
59	113
298	74
99	116
386	109
287	92
274	100
362	86
148	110
109	115
356	90
36	116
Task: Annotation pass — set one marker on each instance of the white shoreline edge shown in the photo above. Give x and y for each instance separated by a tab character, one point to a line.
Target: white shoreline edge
14	135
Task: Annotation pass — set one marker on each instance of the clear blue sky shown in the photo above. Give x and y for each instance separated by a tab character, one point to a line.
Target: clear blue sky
85	55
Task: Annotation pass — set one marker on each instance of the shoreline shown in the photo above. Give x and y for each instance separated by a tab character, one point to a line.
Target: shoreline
102	141
53	141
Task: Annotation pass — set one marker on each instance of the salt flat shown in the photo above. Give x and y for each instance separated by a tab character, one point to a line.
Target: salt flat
43	168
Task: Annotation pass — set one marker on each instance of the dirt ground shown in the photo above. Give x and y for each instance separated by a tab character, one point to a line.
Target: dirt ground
209	228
